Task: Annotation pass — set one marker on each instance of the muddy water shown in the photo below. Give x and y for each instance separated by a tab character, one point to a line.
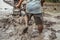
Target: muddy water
12	29
54	17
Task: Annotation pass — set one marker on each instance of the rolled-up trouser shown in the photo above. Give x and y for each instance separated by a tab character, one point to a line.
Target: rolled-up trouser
37	17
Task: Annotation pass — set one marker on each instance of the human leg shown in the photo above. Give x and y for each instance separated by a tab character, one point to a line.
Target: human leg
38	20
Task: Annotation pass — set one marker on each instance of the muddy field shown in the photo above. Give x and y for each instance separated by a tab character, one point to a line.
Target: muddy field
11	28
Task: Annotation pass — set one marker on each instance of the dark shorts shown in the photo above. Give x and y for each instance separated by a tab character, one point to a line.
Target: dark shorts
37	17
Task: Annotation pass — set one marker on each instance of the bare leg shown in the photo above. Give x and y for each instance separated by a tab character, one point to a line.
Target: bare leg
38	20
25	18
40	28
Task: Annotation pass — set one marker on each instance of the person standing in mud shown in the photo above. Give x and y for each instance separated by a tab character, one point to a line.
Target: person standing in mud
34	8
